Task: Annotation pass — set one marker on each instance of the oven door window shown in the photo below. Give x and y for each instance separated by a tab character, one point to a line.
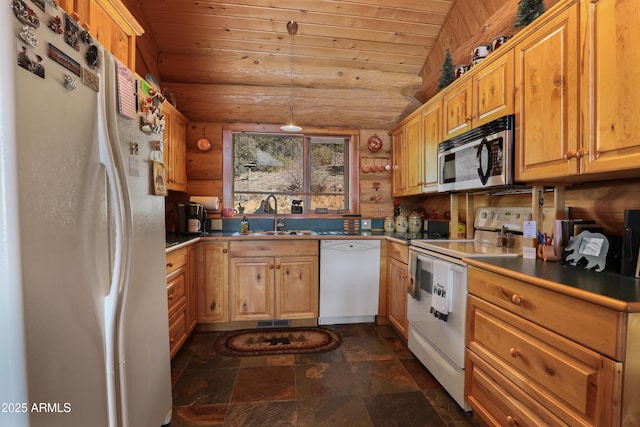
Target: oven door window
424	274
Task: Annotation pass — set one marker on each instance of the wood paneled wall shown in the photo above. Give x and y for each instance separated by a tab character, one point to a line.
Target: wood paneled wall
204	169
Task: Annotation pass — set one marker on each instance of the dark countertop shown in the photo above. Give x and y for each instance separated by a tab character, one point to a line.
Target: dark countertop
620	293
176	241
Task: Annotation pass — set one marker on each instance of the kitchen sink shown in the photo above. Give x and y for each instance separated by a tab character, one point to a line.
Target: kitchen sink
277	233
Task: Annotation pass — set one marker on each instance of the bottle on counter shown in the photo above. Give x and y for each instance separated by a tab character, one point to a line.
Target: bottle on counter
244	225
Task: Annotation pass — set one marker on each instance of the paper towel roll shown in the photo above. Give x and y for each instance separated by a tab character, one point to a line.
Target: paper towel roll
209	202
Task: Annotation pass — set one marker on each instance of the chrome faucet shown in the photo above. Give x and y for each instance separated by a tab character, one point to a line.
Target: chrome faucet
276	224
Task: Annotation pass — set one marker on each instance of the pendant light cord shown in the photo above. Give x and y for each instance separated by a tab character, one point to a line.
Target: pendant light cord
292	29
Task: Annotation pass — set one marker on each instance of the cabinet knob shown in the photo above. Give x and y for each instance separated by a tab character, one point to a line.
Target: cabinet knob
514	352
511	421
516	299
224	251
405	275
278	267
569	155
212	307
171	340
169	264
581	153
271	266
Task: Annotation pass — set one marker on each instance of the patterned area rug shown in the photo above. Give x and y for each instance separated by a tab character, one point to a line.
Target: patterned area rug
262	342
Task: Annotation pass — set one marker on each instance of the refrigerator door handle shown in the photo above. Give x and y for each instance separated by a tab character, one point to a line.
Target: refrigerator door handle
113	301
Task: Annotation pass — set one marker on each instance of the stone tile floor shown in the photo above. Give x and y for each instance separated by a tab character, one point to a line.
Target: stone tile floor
371	380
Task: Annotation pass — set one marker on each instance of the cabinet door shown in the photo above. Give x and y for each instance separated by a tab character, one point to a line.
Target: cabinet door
457	109
192	289
213	299
612	88
178	133
398	175
432	131
251	288
414	155
115	28
493	90
547	70
398	281
296	287
175	154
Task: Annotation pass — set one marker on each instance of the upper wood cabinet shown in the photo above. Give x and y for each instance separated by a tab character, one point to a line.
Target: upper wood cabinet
413	154
576	103
610	87
483	94
492	89
415	151
431	116
547	97
109	22
175	148
398	172
456	107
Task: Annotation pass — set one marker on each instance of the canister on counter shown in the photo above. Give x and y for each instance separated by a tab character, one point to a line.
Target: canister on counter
389	224
415	222
401	224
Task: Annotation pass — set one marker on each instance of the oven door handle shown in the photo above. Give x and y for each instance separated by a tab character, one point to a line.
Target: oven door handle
484	175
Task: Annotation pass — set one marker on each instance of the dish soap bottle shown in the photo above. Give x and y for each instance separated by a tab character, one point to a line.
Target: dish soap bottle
244	225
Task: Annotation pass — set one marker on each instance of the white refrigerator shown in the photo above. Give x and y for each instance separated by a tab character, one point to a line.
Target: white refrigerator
83	305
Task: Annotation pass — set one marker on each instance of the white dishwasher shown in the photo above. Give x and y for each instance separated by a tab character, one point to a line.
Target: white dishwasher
349	281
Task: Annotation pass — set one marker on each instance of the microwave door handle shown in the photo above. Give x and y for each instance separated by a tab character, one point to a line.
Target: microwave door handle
484	175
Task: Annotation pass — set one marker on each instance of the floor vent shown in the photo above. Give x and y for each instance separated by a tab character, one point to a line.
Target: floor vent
273	323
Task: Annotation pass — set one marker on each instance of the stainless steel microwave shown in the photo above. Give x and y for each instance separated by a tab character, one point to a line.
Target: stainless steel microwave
477	159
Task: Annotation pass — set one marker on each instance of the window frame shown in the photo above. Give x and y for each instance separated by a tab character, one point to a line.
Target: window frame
351	164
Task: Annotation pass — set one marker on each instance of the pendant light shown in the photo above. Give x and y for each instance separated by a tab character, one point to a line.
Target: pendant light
292	29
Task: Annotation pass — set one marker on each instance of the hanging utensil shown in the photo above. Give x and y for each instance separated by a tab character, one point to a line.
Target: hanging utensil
203	143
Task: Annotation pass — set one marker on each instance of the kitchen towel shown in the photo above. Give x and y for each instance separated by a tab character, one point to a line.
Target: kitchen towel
441	297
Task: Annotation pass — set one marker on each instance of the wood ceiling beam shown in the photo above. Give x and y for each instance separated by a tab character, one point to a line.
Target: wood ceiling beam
244	70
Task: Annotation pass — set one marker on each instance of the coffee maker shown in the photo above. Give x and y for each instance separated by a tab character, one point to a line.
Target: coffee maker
190	218
630	243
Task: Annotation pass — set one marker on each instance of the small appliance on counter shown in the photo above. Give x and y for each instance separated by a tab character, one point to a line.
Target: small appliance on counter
436	228
630	243
190	218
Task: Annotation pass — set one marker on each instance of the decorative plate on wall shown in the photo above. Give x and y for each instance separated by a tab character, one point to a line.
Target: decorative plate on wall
374	143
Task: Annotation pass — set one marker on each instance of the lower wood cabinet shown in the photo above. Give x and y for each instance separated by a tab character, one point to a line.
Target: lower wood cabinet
273	280
397	282
181	296
213	301
537	357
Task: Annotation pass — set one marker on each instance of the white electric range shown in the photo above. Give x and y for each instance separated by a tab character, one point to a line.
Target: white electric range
436	308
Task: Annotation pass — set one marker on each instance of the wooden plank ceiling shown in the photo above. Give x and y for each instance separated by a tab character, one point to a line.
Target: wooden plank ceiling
357	63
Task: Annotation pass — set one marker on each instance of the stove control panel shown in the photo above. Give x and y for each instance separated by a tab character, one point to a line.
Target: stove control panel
512	218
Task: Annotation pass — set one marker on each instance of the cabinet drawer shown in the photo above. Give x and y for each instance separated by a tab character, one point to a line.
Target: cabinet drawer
176	289
285	247
567	377
570	317
176	259
498	402
177	330
399	252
